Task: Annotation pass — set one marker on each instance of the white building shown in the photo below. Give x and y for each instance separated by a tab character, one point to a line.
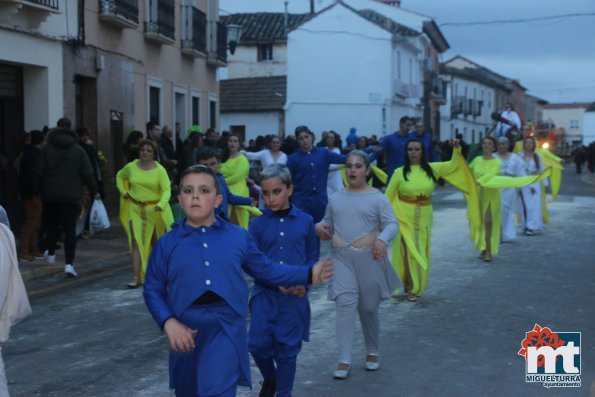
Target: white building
473	93
570	118
589	125
356	63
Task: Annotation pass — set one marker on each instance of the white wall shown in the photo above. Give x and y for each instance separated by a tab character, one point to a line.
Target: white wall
42	75
589	128
262	123
244	63
562	118
342	80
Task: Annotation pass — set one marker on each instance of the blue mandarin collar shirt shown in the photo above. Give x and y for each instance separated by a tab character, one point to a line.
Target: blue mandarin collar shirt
187	262
394	145
285	239
309	171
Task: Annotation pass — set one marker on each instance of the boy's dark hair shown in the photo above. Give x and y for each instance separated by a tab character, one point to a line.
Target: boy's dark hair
199	169
207	152
64	122
301	128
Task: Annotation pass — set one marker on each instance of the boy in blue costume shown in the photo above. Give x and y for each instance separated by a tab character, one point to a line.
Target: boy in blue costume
196	291
280	315
209	156
309	170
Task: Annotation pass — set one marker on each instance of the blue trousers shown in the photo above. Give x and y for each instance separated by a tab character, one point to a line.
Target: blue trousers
277	328
213	368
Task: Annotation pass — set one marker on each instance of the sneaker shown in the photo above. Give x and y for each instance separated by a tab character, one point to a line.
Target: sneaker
528	232
49	258
342	371
69	271
372	363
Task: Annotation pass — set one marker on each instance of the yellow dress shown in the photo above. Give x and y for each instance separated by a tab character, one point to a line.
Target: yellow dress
147	189
235	171
411	201
485	173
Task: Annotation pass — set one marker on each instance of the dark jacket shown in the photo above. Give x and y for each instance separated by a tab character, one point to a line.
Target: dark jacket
28	159
62	168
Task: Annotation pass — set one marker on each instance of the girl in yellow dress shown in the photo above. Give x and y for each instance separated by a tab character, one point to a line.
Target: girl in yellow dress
410	192
235	169
144	206
485	170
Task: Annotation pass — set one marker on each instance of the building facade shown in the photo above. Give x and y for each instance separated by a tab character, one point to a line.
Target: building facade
568	120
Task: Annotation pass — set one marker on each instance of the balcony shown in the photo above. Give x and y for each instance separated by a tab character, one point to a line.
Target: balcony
194	32
121	13
31	12
218	50
160	23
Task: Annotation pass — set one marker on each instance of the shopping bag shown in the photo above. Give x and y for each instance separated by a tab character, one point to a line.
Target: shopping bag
99	220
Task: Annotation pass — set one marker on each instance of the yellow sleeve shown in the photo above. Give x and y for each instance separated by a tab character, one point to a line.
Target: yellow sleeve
392	191
122	180
237	174
165	187
493	170
555	162
501	182
446	167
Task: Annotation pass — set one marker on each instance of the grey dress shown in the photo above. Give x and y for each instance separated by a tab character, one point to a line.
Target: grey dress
357	219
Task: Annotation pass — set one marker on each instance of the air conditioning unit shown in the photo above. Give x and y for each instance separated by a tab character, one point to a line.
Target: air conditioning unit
400	88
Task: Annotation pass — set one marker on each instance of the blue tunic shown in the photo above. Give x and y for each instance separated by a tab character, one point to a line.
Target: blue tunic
394	145
309	171
188	261
228	198
286	239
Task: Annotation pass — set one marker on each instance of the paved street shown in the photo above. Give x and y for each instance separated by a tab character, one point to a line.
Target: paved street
460	339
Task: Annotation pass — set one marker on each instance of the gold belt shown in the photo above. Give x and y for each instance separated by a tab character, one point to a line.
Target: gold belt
143	203
417	200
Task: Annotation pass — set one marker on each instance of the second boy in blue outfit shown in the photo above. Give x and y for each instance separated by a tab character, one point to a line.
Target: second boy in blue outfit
280	315
210	157
196	291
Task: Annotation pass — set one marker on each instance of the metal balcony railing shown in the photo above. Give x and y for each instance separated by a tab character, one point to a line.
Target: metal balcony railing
221	42
127	9
194	29
53	4
161	18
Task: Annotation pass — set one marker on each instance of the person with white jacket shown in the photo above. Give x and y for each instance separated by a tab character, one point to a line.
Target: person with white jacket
14	303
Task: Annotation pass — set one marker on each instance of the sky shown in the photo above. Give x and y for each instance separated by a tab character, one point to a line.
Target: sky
553	58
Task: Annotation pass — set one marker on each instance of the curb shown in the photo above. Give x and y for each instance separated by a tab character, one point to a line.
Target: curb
44	270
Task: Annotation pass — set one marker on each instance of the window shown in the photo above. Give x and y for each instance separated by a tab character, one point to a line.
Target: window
212	114
265	52
195	110
574	124
155	104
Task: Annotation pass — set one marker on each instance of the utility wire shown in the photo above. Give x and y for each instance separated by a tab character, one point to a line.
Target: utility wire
520	20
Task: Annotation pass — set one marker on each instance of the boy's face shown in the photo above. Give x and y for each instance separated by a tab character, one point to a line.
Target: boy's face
212	163
304	141
198	198
276	193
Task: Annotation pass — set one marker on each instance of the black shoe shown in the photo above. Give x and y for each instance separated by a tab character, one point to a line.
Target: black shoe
268	389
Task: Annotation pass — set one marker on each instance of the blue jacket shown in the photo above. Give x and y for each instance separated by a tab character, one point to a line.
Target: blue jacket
186	262
394	145
309	171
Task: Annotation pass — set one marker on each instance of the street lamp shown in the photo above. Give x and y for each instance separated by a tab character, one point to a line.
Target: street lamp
233	37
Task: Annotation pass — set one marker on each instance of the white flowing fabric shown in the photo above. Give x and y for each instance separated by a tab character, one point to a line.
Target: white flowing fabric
531	214
509	198
334	182
14	303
